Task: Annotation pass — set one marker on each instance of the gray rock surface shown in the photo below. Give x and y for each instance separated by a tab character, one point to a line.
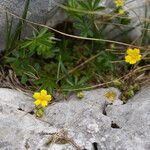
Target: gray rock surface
75	124
39	12
136	9
47	12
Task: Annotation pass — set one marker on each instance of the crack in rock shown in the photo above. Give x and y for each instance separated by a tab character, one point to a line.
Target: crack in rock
114	125
84	121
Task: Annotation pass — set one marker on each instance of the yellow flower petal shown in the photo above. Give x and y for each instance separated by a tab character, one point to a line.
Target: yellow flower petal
43	92
139	57
111	95
127	58
37	102
120	3
44	103
48	98
133	56
129	51
136	50
42	98
133	61
36	95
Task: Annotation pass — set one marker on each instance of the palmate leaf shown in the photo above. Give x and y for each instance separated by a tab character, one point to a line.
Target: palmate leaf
41	44
96	3
72	3
46	82
23	65
84	26
74	82
90	5
84	17
85	4
104	61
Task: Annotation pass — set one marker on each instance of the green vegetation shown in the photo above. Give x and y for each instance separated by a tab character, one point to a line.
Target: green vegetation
65	64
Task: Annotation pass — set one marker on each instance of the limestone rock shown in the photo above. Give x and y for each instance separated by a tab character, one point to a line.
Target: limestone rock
136	9
134	119
19	130
47	12
75	123
39	11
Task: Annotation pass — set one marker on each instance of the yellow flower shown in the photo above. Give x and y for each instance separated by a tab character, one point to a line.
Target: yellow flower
80	95
120	3
111	95
133	56
42	98
121	11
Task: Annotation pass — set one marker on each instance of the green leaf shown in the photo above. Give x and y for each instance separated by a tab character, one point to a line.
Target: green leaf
41	43
24	79
104	61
